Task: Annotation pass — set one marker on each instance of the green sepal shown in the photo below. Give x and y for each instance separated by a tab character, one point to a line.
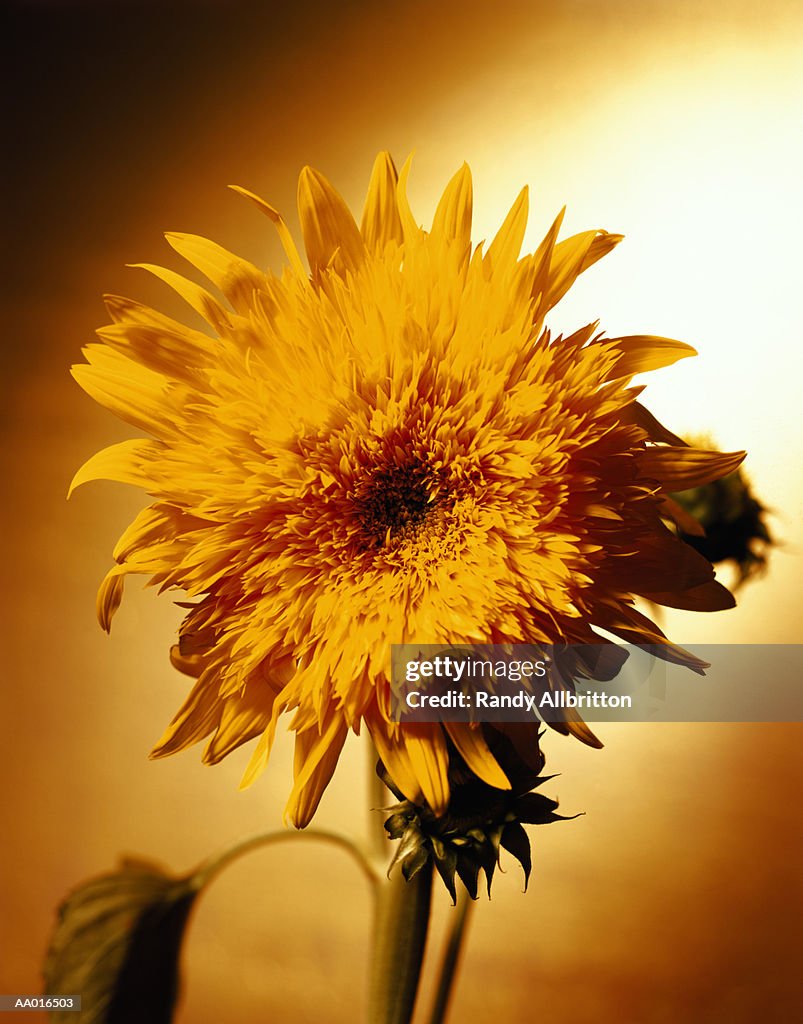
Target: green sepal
516	841
469	872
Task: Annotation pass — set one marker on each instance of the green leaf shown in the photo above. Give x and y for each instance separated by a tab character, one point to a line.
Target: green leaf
118	937
118	941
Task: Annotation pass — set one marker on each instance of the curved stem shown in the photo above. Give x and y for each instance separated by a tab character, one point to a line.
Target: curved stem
400	933
215	864
451	956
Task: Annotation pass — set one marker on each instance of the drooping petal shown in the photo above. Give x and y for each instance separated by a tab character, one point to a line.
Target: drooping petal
125	462
196	718
395	756
474	751
678	514
315	758
243	716
282	230
430	763
261	755
109	597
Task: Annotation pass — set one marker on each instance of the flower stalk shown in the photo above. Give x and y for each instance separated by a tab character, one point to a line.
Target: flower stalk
401	921
451	956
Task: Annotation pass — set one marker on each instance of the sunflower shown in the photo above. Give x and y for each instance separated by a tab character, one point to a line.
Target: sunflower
386	447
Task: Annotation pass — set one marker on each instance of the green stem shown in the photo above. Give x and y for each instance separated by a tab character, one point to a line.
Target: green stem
378	797
451	956
215	864
401	919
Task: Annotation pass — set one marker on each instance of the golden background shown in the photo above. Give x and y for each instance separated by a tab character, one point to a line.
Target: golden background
677	896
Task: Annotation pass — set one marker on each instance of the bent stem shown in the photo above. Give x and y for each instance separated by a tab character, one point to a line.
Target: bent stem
401	920
451	956
210	868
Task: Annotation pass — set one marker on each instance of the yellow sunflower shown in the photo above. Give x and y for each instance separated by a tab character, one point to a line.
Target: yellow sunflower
387	448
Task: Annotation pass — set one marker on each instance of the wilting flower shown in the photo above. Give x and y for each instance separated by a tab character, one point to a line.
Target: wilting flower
389	448
481	820
727	523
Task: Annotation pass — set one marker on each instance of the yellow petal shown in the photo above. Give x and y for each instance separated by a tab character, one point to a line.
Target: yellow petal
678	514
394	755
452	220
132	392
110	594
601	246
538	269
504	250
578	728
315	757
195	719
474	751
567	263
639	353
123	463
282	230
177	354
198	298
655	430
330	232
261	755
236	278
381	223
410	227
243	716
678	469
429	759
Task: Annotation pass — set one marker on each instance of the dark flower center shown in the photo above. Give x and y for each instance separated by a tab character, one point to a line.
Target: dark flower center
395	501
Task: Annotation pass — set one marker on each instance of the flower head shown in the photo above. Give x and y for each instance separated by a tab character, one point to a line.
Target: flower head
727	523
388	448
481	820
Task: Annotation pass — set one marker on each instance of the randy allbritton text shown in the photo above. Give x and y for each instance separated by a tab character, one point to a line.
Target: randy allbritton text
561	699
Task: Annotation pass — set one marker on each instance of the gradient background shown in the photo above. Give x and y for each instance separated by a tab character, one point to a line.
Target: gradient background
677	896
